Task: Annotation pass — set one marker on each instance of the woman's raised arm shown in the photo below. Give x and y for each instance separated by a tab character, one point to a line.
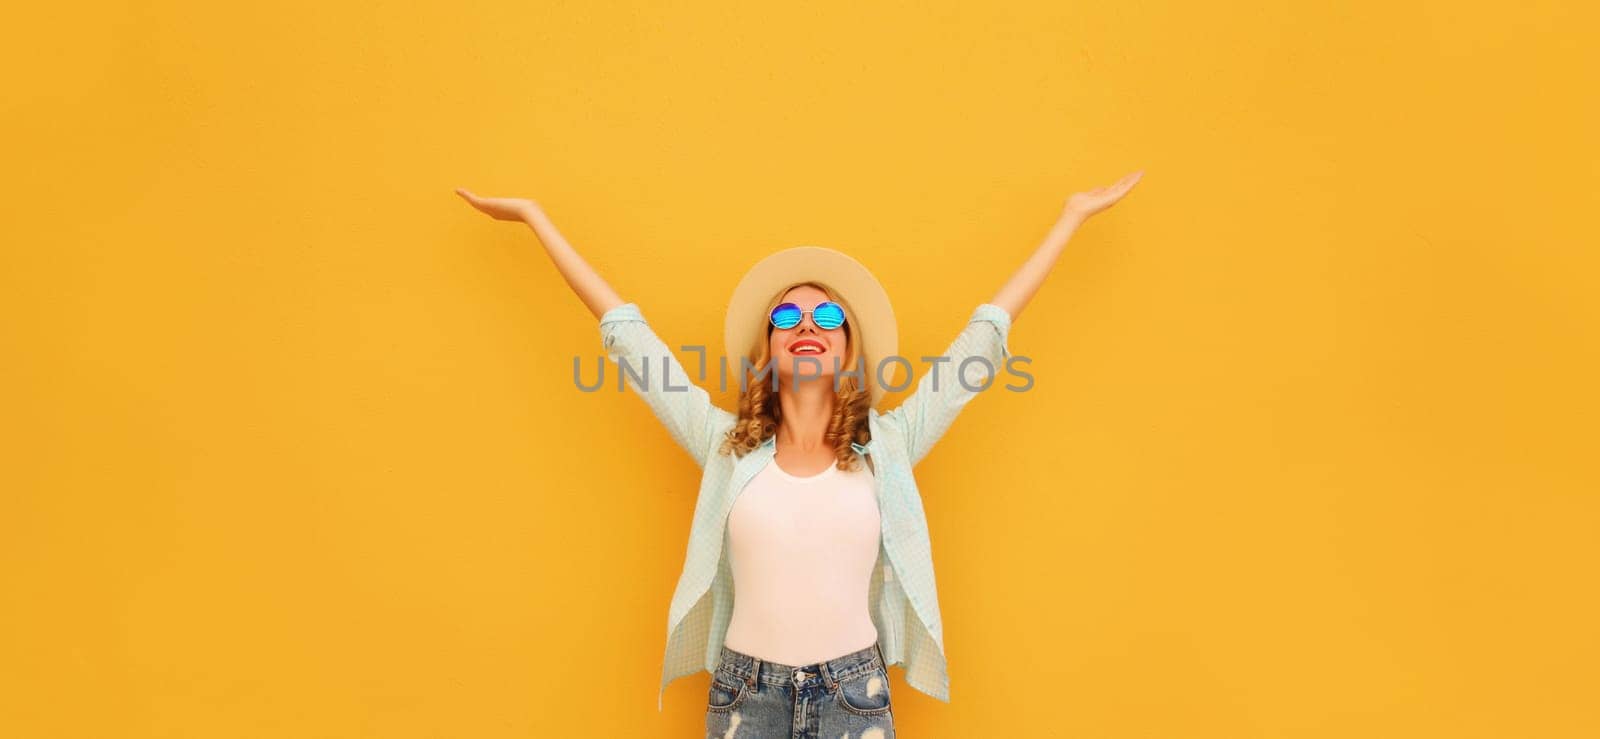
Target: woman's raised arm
980	350
682	406
1026	281
587	283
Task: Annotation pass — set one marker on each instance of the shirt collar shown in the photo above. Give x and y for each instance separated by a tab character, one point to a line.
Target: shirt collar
863	449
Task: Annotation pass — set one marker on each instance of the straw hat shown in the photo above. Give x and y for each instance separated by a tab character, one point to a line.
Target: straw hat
866	305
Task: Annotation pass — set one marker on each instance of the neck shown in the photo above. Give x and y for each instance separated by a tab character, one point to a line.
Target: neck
807	409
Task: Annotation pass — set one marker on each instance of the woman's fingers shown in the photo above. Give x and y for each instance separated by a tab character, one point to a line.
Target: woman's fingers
477	202
1116	189
505	209
1123	185
1093	201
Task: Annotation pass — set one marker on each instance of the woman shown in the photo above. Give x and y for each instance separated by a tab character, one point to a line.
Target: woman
807	506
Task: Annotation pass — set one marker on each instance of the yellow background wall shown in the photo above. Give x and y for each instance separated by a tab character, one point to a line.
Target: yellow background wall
292	447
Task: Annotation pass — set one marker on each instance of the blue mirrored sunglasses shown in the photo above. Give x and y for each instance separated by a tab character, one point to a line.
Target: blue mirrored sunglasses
827	315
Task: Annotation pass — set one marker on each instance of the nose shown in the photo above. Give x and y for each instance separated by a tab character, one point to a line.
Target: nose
806	321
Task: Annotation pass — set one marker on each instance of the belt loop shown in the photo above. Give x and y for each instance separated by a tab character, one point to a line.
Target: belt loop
827	675
881	659
755	674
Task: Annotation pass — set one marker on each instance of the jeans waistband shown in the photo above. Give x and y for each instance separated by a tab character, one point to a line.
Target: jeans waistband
752	669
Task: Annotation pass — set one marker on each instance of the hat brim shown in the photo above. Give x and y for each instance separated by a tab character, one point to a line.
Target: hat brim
866	306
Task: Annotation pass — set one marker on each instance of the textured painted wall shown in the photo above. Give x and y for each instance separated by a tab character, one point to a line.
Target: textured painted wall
292	446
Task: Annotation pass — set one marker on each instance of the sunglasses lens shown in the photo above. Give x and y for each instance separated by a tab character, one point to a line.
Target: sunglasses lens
828	315
786	315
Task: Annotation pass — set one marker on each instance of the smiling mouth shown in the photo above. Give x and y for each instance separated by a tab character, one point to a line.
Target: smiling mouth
807	346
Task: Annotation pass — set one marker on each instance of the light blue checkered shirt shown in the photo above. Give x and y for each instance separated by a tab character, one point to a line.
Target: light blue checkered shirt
903	599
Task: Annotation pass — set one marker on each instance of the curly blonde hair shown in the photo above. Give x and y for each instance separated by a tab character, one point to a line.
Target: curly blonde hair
760	412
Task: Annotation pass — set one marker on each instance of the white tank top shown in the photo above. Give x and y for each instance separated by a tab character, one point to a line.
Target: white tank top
802	553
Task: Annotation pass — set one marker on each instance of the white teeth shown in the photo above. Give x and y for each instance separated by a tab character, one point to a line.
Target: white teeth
808	349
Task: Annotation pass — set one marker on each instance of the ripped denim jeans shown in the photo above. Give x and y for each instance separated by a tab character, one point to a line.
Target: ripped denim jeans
847	696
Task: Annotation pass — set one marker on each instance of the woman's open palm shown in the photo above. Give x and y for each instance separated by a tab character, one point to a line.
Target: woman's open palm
1084	204
502	209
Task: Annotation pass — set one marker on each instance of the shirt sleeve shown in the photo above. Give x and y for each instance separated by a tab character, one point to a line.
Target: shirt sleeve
979	354
655	374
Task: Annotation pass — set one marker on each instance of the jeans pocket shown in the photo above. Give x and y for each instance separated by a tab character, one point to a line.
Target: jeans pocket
727	692
866	694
